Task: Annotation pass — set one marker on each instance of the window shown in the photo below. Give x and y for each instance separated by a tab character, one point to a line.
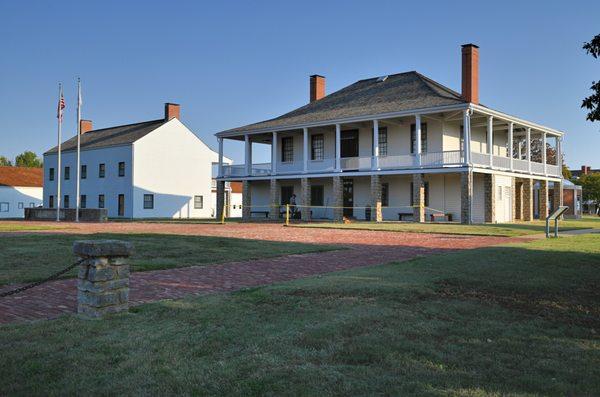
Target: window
51	174
121	205
20	205
32	205
316	195
51	201
385	194
66	201
148	201
67	173
317	147
83	201
4	207
287	149
122	168
83	171
412	197
100	201
101	170
286	193
198	202
413	139
383	141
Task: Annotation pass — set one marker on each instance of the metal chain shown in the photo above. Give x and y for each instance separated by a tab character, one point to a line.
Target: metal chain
35	284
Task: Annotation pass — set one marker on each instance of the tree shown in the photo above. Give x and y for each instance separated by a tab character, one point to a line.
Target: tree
592	103
566	172
4	162
28	159
590	185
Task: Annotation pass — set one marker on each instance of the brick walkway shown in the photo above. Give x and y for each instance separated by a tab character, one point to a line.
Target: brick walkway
363	249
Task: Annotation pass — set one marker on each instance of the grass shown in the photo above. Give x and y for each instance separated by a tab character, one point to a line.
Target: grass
21	226
518	320
508	229
26	258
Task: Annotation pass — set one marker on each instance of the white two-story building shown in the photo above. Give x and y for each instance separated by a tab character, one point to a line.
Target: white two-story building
152	169
398	147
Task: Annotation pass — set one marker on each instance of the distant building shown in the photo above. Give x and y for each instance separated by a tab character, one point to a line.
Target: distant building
152	169
20	187
585	170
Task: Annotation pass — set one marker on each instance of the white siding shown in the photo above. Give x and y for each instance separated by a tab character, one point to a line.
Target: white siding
478	205
13	197
110	186
174	165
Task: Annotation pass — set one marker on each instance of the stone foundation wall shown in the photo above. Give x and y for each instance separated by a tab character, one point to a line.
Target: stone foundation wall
543	194
67	214
220	199
527	199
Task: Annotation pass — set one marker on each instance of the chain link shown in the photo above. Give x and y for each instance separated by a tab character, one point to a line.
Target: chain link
35	284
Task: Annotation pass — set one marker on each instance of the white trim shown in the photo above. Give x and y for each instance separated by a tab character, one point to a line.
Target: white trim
516	120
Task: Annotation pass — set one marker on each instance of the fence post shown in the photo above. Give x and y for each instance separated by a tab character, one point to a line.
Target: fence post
103	282
287	214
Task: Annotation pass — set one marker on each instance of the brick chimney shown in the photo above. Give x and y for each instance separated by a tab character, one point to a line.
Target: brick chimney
85	126
317	87
585	169
171	111
470	73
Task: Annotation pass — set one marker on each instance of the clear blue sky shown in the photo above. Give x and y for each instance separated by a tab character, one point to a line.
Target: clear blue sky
233	63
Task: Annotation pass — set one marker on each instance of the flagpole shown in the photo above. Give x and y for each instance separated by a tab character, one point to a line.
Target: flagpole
78	147
59	117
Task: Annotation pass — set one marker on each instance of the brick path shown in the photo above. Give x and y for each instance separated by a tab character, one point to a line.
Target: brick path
364	248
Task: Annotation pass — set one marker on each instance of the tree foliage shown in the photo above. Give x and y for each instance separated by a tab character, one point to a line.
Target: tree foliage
592	103
590	185
566	172
5	162
28	159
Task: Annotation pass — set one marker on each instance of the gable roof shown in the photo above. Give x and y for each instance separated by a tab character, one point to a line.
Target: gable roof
398	92
113	136
21	176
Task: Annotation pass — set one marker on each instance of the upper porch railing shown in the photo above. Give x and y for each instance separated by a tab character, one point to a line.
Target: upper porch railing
397	162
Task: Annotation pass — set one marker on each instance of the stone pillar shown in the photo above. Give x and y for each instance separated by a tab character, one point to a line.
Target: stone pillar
518	199
376	214
466	196
220	200
557	195
274	201
489	183
527	199
338	199
246	201
103	281
305	199
543	195
418	198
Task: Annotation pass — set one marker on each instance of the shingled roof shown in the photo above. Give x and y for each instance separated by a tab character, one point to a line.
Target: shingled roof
21	176
398	92
113	136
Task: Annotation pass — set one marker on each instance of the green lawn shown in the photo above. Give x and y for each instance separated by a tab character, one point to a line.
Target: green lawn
21	226
517	320
25	258
508	229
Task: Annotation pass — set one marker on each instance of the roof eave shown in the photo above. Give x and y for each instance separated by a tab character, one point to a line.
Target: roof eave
516	120
381	116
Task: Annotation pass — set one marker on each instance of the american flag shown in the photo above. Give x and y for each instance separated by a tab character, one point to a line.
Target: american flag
61	106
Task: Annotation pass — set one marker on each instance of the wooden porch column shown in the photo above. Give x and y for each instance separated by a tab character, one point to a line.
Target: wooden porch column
528	148
418	139
467	137
338	147
248	154
375	160
274	154
544	154
305	149
511	153
490	139
220	171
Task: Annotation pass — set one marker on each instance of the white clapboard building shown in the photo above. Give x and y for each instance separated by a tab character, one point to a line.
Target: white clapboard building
152	169
20	188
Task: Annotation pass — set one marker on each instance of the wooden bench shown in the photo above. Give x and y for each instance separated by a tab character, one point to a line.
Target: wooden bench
440	217
265	213
403	214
